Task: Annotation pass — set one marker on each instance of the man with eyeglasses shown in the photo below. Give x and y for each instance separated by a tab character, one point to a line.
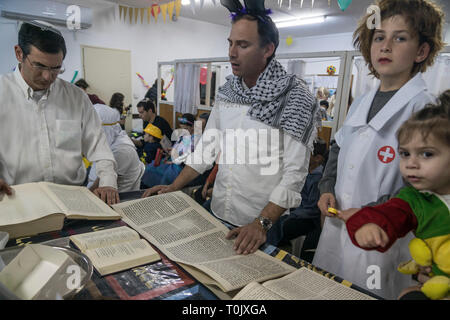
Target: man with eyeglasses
48	124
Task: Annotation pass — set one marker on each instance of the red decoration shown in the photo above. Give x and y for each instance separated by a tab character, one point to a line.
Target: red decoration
203	75
159	9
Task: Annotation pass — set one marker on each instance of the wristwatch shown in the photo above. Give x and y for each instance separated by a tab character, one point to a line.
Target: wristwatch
266	223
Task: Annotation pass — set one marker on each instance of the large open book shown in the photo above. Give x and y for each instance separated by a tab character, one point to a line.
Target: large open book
115	249
303	284
186	233
42	206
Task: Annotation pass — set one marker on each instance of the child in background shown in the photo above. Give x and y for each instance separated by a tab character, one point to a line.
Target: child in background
152	137
363	165
422	207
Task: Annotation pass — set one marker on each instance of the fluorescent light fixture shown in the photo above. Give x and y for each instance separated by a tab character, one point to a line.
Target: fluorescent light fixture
299	21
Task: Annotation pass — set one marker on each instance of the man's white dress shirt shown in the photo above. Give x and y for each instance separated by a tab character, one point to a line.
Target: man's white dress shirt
44	135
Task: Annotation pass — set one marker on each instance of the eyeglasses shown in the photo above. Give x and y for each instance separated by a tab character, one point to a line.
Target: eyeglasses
53	70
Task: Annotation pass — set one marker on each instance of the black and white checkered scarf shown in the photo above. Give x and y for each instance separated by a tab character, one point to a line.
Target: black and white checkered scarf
278	99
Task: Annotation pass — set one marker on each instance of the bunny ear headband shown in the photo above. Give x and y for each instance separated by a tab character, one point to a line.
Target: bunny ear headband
252	7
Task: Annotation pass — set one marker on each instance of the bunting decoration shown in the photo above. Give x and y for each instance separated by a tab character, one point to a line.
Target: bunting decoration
127	13
143	80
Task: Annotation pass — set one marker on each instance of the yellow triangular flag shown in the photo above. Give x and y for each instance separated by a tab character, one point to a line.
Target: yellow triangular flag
164	11
131	14
120	12
142	15
155	13
177	7
149	13
136	12
125	10
171	5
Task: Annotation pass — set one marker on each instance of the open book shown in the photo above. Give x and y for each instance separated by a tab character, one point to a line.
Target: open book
303	284
188	234
115	249
42	206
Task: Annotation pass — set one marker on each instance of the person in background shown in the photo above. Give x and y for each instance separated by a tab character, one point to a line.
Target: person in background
305	218
152	139
117	103
81	83
322	94
152	93
167	171
129	168
147	113
323	110
362	165
57	122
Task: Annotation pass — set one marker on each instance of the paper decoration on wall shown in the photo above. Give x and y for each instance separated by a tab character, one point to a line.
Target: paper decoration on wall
289	40
163	11
170	8
154	10
143	80
203	75
142	15
343	4
74	76
331	70
170	82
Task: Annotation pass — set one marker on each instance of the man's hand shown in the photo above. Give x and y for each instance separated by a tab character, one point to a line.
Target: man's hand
371	236
326	200
205	190
109	195
248	238
5	188
346	214
160	189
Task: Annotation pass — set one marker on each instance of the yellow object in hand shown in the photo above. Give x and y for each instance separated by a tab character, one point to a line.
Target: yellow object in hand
332	210
436	288
420	252
410	267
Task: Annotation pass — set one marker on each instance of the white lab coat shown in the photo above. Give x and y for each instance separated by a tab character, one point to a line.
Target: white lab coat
362	177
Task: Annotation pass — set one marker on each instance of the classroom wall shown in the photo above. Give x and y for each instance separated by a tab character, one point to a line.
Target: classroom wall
148	43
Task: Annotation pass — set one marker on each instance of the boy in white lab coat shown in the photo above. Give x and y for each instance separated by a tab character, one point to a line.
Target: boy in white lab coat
363	164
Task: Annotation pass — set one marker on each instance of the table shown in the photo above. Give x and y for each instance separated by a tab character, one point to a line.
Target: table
162	280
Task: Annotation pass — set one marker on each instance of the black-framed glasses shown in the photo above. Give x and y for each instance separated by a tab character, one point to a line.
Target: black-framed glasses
53	70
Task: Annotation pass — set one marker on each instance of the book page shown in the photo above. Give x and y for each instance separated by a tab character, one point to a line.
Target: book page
255	291
103	238
78	202
188	234
305	284
29	202
122	256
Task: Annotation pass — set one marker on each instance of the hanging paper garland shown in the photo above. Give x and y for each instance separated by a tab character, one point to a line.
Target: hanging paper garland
343	4
143	80
74	76
170	82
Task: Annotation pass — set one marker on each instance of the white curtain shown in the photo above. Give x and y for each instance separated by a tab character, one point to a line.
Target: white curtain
363	82
296	67
187	87
437	76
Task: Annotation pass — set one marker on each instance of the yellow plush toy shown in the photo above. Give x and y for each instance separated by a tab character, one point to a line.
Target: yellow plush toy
438	287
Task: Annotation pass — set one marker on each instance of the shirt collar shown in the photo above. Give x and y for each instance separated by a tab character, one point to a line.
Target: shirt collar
26	89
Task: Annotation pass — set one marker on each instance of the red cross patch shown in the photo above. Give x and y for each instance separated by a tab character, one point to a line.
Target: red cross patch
386	154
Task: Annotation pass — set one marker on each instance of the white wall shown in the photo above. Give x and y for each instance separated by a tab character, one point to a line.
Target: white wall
148	43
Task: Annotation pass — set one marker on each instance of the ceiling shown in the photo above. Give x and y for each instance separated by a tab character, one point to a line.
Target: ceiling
337	21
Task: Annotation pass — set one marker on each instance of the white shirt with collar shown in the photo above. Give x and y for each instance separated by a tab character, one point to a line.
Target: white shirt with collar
44	138
244	186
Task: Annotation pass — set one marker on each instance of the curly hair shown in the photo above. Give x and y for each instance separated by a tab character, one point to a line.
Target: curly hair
434	119
424	17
